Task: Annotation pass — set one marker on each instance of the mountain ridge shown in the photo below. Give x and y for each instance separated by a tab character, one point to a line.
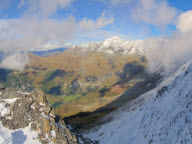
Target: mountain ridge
114	45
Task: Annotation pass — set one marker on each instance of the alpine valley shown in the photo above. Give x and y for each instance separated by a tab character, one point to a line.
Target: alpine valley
85	82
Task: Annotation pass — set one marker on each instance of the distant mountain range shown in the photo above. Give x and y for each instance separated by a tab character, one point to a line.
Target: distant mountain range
112	45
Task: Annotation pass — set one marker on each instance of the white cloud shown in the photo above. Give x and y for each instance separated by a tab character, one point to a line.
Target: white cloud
27	33
21	4
151	12
154	12
169	51
114	2
44	7
18	35
15	61
90	25
184	22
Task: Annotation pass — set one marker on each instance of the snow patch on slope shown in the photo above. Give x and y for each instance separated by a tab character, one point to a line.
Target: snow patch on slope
3	110
9	101
18	136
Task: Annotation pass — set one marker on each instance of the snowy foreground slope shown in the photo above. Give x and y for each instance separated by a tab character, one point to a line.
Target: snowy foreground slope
160	116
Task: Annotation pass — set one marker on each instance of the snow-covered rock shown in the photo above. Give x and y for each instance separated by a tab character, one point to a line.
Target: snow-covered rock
160	116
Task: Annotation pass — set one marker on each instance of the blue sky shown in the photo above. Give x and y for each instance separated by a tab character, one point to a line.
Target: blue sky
128	19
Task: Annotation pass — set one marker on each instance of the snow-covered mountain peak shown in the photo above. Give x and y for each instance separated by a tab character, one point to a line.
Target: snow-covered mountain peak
114	45
112	41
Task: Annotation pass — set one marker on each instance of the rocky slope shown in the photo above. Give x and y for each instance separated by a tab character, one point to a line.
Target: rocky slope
162	115
28	118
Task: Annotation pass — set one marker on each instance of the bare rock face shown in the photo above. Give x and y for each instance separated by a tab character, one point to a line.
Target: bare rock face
21	110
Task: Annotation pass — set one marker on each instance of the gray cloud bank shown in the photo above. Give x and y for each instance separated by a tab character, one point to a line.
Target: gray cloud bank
32	30
20	35
169	51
